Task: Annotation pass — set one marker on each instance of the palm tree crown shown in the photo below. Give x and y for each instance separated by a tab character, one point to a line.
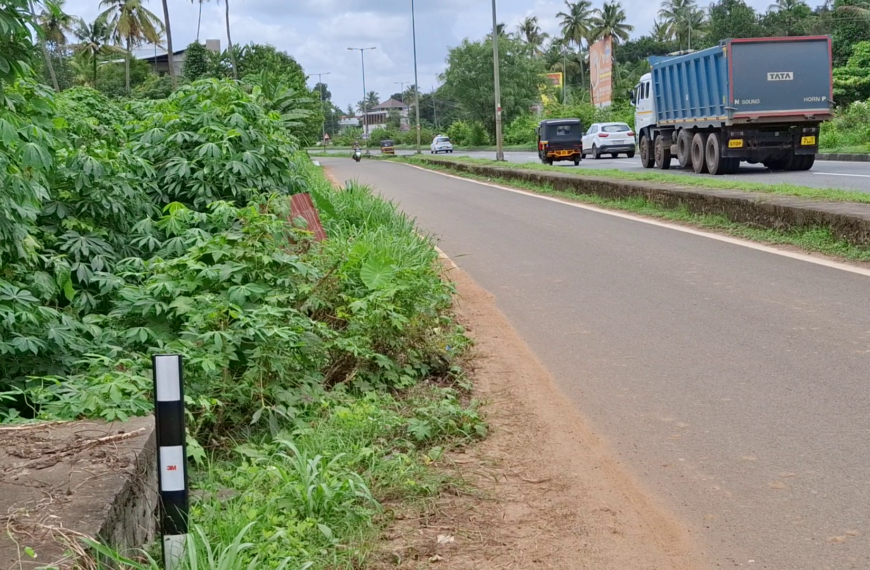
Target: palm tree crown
530	32
55	23
577	21
610	21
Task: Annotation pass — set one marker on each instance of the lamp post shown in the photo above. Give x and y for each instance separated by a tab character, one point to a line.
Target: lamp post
416	80
323	124
499	153
362	53
402	83
564	74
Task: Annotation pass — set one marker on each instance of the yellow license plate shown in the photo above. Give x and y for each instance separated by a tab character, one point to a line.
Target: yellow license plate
735	143
564	153
808	141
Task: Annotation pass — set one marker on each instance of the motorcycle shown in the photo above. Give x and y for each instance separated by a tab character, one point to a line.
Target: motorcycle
357	155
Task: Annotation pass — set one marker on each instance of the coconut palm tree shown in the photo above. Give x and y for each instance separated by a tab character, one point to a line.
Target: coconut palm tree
530	32
169	51
230	49
661	31
43	45
94	42
199	17
55	23
683	18
610	21
132	24
576	25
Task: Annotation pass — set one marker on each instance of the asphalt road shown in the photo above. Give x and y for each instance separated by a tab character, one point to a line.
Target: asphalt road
825	174
733	382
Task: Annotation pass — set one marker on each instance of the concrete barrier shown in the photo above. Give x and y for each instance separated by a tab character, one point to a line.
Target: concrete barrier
849	221
844	157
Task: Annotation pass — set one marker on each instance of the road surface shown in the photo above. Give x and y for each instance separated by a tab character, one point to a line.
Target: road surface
825	174
735	383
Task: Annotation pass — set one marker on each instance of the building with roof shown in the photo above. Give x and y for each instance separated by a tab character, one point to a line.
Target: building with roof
160	63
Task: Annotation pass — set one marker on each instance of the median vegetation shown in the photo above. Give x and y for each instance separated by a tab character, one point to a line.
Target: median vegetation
322	379
810	193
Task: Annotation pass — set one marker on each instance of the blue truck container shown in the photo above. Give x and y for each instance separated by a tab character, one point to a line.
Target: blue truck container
755	100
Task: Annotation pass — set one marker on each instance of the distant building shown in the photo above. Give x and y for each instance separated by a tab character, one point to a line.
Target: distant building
160	63
378	117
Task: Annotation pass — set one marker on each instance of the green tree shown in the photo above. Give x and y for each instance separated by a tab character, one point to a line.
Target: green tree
198	62
468	79
683	20
232	53
199	16
848	28
531	33
131	24
852	81
788	18
610	21
731	19
94	43
634	51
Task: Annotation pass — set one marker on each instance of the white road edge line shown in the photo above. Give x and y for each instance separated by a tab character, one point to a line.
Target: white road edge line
849	175
726	239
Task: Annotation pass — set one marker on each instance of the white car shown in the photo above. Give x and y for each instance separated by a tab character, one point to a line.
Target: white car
441	144
609	138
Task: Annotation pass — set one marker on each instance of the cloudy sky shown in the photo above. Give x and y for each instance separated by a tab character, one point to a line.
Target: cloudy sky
318	32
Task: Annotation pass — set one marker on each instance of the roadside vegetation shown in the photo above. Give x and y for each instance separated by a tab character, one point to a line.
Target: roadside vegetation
322	379
826	194
818	240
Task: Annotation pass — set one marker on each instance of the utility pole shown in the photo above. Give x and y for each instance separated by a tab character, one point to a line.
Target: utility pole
434	109
564	73
362	53
416	80
499	153
323	124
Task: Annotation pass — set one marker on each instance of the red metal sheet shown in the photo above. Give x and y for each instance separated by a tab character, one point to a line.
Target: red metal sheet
301	206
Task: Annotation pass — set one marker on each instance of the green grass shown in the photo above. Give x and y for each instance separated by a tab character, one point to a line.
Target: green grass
863	149
819	240
718	183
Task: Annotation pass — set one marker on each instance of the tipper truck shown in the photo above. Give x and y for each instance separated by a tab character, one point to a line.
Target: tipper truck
754	100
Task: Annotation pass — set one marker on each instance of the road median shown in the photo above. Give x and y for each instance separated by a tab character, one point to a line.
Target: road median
847	221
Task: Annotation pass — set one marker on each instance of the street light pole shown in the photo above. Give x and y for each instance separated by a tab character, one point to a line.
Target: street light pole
564	73
499	153
323	124
362	53
416	80
402	84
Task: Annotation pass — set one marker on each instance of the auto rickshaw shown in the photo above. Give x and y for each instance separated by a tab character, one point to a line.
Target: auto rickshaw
387	147
560	139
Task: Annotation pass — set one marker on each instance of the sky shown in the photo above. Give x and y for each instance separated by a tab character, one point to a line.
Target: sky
318	32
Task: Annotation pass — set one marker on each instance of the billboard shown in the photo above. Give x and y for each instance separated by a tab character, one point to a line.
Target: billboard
601	71
555	79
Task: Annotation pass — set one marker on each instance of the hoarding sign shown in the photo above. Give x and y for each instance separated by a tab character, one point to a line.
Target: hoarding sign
555	79
601	71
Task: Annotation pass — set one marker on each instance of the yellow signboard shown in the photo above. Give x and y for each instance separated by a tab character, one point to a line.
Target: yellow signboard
555	79
601	71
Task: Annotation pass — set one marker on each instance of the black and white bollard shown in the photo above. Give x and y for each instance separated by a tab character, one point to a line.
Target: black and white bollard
171	455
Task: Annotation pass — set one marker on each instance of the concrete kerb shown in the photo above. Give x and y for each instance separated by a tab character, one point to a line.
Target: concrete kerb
846	220
844	157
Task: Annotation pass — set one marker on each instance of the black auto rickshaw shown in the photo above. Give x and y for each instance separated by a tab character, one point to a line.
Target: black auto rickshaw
560	139
387	147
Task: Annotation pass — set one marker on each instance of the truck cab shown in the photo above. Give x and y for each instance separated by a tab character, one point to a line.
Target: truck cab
644	104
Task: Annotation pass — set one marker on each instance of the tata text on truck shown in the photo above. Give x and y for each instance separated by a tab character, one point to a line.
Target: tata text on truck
753	100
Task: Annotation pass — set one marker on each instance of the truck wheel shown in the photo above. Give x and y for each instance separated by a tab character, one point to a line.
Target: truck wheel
684	149
647	160
715	162
699	162
663	153
809	161
731	166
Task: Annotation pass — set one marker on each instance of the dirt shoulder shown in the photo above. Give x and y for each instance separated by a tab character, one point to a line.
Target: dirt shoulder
543	490
548	493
